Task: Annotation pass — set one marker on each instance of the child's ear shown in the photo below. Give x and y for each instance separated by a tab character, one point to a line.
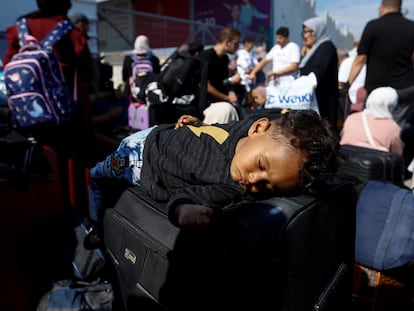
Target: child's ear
259	126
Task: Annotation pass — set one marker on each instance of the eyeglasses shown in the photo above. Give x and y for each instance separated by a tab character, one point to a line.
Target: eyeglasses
304	32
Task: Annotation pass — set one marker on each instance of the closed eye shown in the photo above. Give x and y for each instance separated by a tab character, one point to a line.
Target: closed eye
261	164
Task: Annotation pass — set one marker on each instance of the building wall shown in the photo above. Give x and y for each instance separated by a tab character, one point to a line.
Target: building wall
294	12
157	20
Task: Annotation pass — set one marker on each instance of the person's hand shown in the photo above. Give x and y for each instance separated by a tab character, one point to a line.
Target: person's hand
193	216
235	79
186	119
252	76
233	98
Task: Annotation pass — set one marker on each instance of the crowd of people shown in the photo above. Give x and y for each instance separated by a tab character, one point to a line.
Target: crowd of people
374	125
236	81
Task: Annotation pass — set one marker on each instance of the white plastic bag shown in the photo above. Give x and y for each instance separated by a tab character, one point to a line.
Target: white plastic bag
298	94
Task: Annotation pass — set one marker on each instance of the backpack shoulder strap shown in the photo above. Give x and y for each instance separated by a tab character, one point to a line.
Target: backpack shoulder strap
134	57
23	30
57	33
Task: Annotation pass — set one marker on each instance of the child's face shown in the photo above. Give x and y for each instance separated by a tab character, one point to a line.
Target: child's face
262	164
259	97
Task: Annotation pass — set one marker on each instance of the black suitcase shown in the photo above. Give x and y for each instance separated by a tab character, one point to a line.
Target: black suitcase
279	254
360	164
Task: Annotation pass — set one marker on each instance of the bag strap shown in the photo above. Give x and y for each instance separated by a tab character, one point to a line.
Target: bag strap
62	28
22	30
134	57
367	130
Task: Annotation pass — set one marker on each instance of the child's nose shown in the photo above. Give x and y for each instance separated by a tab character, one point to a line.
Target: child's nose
255	177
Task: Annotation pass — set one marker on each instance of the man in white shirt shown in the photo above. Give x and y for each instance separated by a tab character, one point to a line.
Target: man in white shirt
285	56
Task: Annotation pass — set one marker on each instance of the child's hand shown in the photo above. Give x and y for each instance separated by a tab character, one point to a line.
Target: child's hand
187	120
193	216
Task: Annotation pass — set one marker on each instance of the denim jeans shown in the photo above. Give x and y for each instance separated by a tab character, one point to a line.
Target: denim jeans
125	163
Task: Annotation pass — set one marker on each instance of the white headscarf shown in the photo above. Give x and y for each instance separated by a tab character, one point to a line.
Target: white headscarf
318	25
381	102
141	45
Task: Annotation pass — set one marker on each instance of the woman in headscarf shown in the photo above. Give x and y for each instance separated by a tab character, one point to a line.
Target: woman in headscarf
320	57
374	126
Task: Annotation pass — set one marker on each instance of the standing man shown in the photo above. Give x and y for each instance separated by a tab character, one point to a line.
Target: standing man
386	47
285	56
221	99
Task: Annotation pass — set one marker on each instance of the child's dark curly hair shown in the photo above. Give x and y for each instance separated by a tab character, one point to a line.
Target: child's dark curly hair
318	142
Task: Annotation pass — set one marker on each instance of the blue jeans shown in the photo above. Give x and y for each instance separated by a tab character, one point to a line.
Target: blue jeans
125	163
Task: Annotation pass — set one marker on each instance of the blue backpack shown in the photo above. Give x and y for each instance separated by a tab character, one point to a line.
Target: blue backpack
36	88
384	226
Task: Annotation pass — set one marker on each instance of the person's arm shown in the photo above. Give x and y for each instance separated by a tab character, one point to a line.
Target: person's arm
193	215
186	119
258	67
231	97
258	14
359	61
192	205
